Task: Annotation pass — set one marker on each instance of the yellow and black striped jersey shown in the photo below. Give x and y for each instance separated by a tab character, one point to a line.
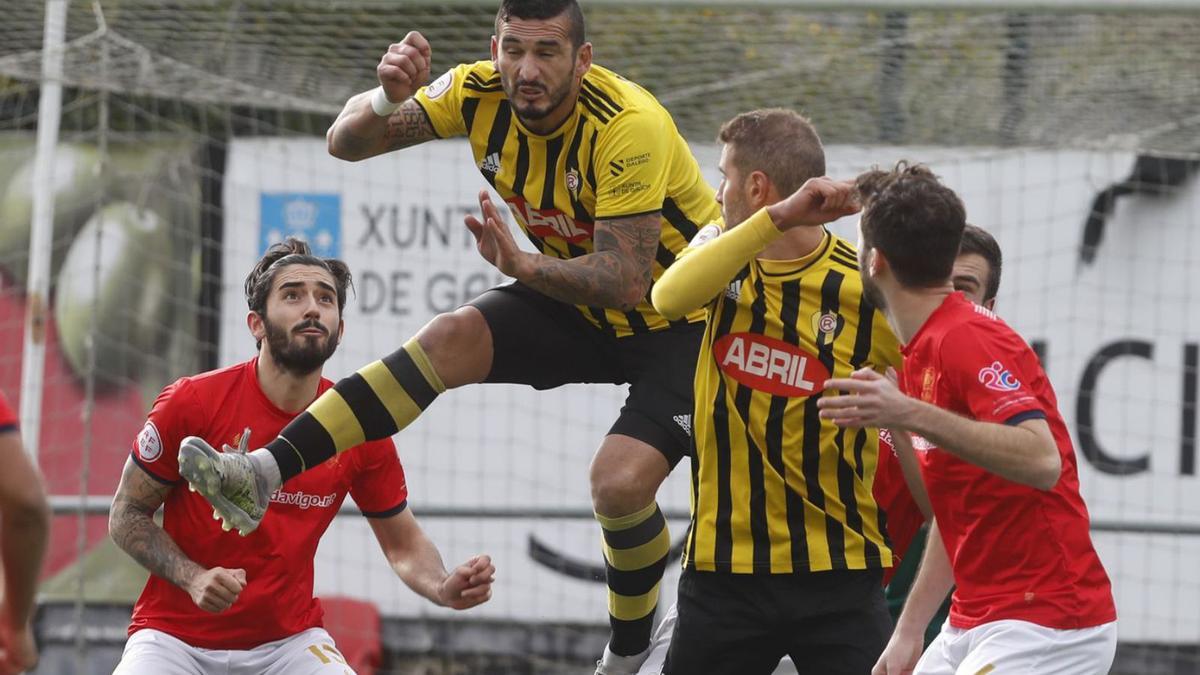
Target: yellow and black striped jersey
618	155
776	489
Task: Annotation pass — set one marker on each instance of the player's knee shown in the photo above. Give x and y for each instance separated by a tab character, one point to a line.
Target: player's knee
620	490
459	345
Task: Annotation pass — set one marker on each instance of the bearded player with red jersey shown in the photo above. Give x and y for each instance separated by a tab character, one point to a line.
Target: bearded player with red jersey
1010	530
212	603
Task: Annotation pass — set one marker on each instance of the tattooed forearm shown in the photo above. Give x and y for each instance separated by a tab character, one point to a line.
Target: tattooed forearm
617	274
358	133
136	533
408	126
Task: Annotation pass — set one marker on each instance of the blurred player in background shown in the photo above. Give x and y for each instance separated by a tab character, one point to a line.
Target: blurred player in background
898	488
1010	529
786	548
213	600
594	171
24	531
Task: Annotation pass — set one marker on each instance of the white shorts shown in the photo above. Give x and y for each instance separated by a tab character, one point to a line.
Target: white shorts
1020	647
152	652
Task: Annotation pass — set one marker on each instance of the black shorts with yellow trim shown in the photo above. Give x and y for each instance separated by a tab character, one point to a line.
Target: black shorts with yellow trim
541	342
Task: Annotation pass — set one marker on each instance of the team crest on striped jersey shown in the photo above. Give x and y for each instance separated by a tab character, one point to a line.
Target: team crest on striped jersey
770	365
827	326
573	182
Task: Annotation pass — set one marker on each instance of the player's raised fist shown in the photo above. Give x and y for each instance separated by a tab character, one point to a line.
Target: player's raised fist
215	590
405	67
818	201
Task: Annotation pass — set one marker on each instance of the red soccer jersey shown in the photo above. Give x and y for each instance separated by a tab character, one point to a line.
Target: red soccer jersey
8	418
1017	552
278	556
904	517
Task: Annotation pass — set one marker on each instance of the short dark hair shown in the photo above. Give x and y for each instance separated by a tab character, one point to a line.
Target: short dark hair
781	143
980	242
914	220
544	9
291	251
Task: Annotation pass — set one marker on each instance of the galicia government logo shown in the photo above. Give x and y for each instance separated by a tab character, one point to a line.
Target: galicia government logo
313	217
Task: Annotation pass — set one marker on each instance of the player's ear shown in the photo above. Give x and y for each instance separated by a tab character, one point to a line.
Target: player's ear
495	49
255	323
341	328
990	303
760	190
583	59
876	262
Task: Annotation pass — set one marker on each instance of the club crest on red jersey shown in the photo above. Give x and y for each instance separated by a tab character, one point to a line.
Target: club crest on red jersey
928	380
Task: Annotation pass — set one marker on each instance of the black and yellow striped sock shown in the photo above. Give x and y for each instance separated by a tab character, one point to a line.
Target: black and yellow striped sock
635	555
380	399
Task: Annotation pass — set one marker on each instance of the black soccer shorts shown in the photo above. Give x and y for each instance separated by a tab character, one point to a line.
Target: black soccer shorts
544	343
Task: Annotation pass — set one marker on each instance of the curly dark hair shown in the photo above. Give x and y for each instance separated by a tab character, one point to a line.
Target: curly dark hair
914	220
291	251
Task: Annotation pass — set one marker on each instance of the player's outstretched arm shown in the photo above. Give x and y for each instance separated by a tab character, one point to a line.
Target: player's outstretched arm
1024	453
131	526
703	269
616	274
24	530
370	124
934	580
417	562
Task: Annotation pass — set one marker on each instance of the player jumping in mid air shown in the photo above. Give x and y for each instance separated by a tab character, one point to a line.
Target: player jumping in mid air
212	605
596	174
1010	528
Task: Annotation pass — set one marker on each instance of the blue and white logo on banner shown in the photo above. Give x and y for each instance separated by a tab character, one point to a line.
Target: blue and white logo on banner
313	217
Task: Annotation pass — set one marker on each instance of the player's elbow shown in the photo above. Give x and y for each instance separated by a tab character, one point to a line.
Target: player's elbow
665	304
340	147
631	293
1048	470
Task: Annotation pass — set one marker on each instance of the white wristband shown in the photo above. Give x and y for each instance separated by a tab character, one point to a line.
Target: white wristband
381	105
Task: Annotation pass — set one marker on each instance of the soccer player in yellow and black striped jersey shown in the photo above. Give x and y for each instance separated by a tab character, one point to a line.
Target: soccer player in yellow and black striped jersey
787	545
594	171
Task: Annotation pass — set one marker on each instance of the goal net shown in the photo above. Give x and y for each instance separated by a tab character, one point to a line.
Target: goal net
192	136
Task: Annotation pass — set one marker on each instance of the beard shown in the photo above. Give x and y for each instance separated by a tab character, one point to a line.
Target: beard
299	355
530	111
871	290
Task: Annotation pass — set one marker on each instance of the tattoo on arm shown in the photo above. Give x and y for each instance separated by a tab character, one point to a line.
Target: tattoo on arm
408	126
359	133
131	525
617	274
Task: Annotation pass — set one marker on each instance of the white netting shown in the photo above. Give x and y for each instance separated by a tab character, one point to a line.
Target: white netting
189	128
